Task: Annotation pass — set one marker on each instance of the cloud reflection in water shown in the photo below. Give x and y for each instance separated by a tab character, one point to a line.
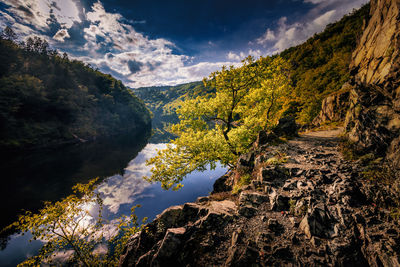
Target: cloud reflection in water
117	190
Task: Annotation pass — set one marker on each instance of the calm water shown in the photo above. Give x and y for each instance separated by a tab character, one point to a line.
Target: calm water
122	164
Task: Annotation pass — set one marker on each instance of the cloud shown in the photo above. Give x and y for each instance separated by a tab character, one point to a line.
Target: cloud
118	190
268	36
42	13
242	55
61	35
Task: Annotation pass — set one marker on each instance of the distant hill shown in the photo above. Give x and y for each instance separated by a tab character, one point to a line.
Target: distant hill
47	99
160	99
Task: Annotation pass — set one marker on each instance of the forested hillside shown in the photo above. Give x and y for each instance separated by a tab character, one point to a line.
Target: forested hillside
160	99
320	66
46	98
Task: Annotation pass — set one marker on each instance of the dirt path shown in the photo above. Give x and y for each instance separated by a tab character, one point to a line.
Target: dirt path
314	150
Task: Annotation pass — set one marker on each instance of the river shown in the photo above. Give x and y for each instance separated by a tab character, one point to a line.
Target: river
31	178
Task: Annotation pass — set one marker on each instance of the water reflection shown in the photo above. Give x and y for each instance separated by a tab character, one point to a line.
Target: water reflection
30	178
121	191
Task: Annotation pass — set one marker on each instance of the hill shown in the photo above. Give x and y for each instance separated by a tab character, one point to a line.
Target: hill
160	99
47	99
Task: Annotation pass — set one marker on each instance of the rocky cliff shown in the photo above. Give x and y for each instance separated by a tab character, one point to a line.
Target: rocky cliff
373	121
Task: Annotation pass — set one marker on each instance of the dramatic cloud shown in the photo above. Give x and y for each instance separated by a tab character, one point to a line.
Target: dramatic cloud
89	32
42	13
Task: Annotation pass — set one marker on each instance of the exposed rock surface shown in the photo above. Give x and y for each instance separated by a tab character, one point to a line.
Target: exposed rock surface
373	121
312	209
334	107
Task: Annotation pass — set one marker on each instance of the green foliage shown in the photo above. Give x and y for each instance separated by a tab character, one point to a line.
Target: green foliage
245	179
221	125
320	66
46	98
71	224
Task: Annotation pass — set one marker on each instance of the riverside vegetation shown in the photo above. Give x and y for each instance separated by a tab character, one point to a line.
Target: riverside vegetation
47	99
287	199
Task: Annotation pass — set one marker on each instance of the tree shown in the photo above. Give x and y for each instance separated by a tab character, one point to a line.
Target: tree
70	225
220	126
8	34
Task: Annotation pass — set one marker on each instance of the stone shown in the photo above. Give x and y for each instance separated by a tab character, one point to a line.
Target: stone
317	223
221	185
247	211
278	202
169	246
334	107
252	199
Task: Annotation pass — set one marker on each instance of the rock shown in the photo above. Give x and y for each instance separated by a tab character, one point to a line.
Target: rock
252	199
278	202
246	161
247	211
271	173
373	118
221	185
334	107
169	246
317	223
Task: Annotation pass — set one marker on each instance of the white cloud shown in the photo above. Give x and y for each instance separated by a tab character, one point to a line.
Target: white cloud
140	60
61	35
269	35
41	13
242	55
118	190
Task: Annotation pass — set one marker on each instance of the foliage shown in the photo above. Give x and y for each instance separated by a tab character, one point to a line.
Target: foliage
46	98
245	179
221	125
71	224
320	66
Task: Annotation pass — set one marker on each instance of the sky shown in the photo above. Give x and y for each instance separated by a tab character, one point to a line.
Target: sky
160	42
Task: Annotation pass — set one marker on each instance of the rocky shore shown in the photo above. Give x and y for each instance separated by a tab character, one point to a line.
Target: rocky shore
305	207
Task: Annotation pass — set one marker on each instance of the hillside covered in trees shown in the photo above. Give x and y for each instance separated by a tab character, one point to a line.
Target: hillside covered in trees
47	99
160	101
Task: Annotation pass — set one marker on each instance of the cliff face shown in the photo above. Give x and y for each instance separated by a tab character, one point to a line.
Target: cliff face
373	120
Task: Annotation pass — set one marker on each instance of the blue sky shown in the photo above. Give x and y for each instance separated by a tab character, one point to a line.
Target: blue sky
159	42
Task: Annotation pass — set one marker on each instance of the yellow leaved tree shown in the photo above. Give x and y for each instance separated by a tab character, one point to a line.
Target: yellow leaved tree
218	127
